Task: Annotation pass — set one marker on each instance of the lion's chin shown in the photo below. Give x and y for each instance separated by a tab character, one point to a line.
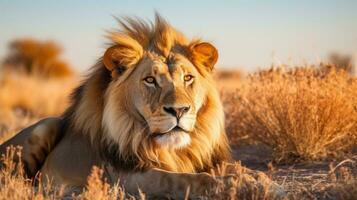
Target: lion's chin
173	139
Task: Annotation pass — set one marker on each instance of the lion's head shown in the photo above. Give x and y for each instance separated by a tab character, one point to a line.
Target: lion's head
151	100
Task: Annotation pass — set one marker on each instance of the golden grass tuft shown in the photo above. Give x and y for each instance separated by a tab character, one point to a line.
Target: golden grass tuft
98	188
302	114
13	184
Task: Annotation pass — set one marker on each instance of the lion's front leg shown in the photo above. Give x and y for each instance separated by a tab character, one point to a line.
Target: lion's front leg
158	182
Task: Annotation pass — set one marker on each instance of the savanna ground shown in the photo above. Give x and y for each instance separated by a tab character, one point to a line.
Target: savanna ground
298	125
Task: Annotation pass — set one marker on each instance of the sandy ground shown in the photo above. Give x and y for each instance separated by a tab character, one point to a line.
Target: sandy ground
312	179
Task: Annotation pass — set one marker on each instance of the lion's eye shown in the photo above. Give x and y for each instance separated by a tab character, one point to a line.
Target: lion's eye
188	78
150	80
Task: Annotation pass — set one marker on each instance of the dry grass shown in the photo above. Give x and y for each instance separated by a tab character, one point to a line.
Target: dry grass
13	185
346	190
24	99
344	183
302	114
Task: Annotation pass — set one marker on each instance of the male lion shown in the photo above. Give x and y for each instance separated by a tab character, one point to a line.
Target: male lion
148	113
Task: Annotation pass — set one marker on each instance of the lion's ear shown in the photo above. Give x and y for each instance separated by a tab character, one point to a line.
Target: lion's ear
119	58
204	54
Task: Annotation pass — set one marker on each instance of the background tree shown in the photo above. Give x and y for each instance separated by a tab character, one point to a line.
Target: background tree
37	58
341	61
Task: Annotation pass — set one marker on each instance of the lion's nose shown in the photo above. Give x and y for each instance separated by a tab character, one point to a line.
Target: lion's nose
177	111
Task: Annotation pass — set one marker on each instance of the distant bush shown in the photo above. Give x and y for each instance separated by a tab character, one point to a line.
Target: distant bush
36	58
302	114
341	61
228	74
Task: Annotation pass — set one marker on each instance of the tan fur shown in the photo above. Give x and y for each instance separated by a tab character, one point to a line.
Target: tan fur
117	119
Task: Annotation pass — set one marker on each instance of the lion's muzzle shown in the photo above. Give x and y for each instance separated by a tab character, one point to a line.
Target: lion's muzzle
173	129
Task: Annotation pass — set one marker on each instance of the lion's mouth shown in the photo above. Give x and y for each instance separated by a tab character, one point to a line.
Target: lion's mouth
176	129
174	138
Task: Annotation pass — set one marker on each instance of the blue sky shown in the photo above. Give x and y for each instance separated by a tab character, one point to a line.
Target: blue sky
248	34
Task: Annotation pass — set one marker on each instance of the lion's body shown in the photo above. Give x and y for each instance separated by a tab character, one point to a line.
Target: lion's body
71	161
149	104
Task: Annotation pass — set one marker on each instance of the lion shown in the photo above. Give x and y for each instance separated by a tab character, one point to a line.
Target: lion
148	113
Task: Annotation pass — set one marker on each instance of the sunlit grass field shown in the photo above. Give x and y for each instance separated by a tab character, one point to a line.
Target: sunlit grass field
298	125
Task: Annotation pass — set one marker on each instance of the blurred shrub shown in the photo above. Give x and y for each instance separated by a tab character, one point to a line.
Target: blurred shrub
36	58
228	74
341	61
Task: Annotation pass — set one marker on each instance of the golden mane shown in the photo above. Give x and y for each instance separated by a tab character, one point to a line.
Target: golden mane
130	150
160	37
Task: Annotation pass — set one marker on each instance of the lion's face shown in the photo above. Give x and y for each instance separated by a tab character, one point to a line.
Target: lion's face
164	94
167	93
